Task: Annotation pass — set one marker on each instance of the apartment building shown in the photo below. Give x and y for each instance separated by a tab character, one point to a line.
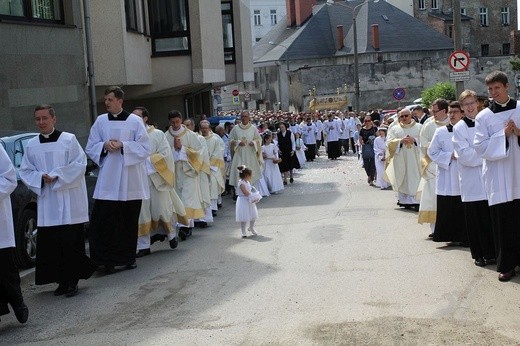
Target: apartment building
489	27
265	14
171	54
43	61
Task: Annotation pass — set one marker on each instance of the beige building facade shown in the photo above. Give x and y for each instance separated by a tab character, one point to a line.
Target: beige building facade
171	54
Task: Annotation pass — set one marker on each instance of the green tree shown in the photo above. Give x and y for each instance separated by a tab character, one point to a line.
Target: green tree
515	64
440	90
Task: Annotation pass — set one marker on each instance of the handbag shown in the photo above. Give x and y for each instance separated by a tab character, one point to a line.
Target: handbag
254	196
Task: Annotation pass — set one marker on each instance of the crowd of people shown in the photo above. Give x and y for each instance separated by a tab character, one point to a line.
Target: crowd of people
457	166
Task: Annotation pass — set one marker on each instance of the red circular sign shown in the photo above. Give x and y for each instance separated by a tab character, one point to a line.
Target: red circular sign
235	92
459	61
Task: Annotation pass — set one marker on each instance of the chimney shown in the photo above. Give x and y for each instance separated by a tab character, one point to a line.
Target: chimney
339	37
298	11
291	12
375	36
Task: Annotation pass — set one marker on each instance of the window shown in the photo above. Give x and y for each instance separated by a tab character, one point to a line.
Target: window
435	5
463	11
422	5
484	50
484	16
274	20
49	11
169	27
227	31
505	16
131	15
258	20
506	49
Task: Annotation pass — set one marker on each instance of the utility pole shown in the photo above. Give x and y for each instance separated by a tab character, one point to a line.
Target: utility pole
457	38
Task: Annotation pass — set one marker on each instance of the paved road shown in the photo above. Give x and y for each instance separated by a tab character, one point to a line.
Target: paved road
336	263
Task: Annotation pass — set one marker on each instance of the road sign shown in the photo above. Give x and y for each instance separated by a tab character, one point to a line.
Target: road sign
235	92
236	100
459	76
459	61
399	94
247	96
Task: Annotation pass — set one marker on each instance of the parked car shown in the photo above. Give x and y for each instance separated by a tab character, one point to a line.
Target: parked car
24	202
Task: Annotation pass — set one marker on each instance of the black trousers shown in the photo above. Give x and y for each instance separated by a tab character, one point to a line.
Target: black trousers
351	141
10	291
113	232
343	145
450	226
60	255
480	232
369	164
310	153
506	223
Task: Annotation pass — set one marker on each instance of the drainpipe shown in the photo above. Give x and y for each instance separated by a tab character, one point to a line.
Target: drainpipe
90	63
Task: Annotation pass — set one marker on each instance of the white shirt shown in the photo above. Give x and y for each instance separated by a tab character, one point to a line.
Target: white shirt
441	151
7	185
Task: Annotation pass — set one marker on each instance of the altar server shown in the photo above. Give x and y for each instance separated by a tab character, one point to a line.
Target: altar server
53	167
10	291
497	142
119	144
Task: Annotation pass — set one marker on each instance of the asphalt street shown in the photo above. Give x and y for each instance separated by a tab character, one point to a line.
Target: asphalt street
336	263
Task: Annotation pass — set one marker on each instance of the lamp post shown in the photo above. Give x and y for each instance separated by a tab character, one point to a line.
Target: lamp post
286	70
356	62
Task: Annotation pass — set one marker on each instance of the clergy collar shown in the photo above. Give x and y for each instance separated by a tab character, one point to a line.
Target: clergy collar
121	116
505	103
51	137
47	136
496	107
442	122
470	122
116	114
150	128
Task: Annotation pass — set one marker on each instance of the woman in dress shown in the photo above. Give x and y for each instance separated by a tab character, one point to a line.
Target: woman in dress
287	146
366	139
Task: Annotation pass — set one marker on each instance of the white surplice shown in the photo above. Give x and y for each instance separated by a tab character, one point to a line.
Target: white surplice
441	152
122	174
470	164
7	185
64	201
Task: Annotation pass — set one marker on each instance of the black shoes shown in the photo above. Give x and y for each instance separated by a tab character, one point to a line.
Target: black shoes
109	269
291	180
214	213
21	312
480	262
174	243
506	276
132	265
201	224
490	260
143	252
183	232
157	237
72	290
61	290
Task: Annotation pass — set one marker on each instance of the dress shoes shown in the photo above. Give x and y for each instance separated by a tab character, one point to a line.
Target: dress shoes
506	276
214	213
72	290
490	260
430	235
132	265
291	180
480	262
143	252
61	290
183	233
201	224
110	269
219	205
21	312
157	237
174	243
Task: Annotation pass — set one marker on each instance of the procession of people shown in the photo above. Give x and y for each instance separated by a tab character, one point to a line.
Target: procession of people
155	186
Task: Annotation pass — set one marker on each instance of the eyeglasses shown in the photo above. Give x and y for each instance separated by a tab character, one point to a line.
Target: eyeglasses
437	111
404	116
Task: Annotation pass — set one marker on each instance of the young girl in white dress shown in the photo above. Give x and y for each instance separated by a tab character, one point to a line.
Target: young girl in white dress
271	173
246	211
300	150
380	159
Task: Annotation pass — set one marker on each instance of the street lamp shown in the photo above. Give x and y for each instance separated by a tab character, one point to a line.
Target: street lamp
356	62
